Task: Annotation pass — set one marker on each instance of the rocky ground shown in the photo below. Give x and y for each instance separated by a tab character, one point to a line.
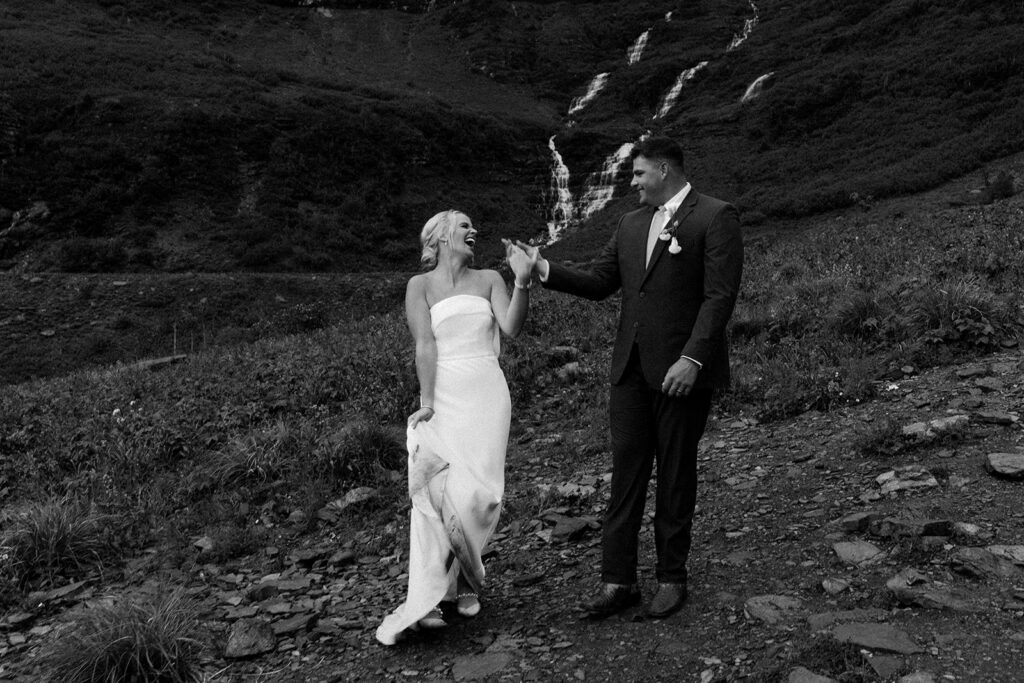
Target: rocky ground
880	542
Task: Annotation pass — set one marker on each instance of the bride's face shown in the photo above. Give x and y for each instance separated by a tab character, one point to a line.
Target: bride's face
463	236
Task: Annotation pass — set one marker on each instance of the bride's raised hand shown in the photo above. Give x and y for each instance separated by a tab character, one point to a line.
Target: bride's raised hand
521	264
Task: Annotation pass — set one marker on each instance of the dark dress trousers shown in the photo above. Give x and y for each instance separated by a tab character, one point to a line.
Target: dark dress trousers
678	305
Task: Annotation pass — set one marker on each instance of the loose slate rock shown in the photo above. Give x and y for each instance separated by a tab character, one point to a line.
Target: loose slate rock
772	609
882	637
1008	465
249	638
857	552
802	675
478	667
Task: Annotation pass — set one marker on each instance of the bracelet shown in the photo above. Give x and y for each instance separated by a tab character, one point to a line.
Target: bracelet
423	406
529	283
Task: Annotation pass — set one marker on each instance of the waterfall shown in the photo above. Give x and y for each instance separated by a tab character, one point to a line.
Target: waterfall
595	87
633	56
562	211
670	98
748	27
601	186
668	16
754	89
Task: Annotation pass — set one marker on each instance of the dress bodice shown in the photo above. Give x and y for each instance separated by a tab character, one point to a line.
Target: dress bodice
464	327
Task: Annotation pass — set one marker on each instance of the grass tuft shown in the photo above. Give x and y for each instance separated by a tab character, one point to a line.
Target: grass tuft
146	639
42	541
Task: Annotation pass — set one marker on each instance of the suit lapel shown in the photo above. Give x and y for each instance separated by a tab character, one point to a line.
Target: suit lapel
684	210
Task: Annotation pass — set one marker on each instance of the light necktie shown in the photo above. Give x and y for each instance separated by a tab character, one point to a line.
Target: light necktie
657	223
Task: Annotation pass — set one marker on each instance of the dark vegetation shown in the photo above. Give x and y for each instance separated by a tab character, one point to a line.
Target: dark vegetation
166	136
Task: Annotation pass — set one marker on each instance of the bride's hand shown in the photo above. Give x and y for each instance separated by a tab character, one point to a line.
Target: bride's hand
421	415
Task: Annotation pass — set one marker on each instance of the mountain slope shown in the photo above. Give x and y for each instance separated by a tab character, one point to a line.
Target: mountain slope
259	136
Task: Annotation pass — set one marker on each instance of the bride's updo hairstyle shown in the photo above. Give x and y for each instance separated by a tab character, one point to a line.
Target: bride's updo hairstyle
438	229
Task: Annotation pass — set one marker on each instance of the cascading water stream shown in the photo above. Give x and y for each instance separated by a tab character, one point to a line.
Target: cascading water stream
754	89
748	27
592	90
670	98
601	186
563	210
637	49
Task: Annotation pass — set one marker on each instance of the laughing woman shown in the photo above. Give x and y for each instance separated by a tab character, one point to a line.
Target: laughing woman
457	437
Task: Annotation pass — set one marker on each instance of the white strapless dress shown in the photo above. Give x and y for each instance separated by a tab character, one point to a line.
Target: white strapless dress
456	461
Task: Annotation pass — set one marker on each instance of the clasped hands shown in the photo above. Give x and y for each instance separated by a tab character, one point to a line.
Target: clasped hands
522	258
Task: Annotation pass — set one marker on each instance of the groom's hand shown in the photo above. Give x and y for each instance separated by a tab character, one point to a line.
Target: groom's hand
537	262
680	378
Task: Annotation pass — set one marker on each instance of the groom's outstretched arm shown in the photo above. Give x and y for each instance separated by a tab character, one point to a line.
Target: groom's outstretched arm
598	282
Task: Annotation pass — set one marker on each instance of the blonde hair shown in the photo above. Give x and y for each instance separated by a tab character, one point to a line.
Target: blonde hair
438	229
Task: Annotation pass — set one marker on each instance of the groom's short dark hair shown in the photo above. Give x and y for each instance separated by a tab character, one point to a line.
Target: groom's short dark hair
663	148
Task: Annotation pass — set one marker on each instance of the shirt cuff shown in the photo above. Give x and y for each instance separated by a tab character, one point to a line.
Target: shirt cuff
694	361
543	270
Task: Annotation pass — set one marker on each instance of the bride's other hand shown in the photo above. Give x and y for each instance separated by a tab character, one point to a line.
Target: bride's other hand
421	415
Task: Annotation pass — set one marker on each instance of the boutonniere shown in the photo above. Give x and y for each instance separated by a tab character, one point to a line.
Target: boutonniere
669	233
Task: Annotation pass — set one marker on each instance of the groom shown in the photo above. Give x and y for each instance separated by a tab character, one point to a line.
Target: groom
678	261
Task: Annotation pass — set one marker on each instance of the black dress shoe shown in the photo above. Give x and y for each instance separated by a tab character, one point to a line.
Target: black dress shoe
612	598
669	598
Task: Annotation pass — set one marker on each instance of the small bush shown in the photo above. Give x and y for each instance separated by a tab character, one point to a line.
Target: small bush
884	438
857	314
56	538
148	639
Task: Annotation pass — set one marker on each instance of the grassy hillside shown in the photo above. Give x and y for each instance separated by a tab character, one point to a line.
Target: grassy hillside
245	135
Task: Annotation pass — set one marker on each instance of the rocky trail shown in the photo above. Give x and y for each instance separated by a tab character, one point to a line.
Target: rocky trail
879	542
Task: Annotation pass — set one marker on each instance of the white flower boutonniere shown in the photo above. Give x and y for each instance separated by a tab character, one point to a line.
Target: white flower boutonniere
669	233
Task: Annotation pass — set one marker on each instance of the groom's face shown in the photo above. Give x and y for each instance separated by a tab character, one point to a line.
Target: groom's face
649	180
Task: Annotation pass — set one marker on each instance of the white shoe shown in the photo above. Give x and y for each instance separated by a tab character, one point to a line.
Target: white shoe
433	619
468	604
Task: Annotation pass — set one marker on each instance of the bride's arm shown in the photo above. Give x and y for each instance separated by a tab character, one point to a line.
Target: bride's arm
510	314
417	315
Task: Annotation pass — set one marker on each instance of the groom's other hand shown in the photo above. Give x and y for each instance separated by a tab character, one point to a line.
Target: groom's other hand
680	378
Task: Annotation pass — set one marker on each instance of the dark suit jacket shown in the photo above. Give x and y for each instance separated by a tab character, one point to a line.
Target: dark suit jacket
681	303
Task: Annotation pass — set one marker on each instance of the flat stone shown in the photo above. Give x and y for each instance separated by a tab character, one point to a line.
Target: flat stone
993	417
834	586
249	638
885	666
477	667
858	521
802	675
917	677
300	622
981	563
1009	465
884	637
857	552
914	589
773	609
1014	553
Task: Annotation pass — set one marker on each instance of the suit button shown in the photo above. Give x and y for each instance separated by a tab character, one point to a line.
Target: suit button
643	294
635	325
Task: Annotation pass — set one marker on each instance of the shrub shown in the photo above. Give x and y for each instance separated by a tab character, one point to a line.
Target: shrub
857	314
146	639
883	438
360	453
56	538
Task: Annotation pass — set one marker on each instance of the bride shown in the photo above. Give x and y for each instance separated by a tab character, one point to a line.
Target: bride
457	437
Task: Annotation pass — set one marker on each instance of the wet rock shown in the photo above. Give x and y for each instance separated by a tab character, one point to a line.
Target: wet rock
993	417
341	558
857	552
479	667
567	528
802	675
263	591
883	637
773	609
917	677
249	638
1008	465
